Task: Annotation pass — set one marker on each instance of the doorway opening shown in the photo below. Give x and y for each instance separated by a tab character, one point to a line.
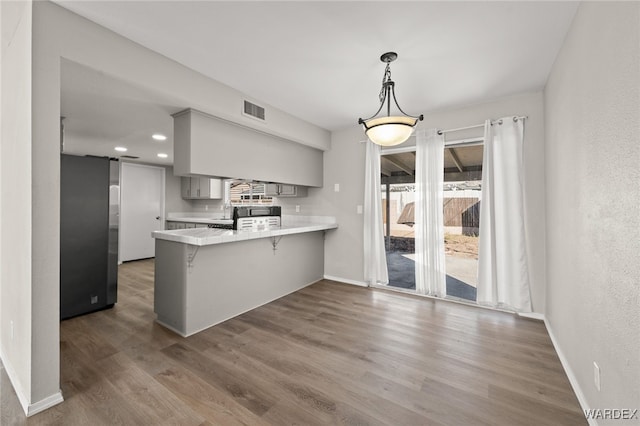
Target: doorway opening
462	193
398	217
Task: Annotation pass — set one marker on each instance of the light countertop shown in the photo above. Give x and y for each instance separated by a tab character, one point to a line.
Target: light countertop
208	236
200	220
198	217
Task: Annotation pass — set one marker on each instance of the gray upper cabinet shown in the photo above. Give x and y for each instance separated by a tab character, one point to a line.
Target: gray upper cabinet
284	190
209	146
201	188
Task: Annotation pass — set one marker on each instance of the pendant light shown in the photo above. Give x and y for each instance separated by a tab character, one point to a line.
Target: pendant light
389	130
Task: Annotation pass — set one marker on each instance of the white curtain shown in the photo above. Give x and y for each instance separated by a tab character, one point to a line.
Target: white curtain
429	222
375	260
503	275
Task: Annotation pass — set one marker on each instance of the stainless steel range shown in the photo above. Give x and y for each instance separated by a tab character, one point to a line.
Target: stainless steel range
256	218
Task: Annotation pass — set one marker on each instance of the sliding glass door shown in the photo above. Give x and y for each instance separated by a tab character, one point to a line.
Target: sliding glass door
398	202
461	207
462	194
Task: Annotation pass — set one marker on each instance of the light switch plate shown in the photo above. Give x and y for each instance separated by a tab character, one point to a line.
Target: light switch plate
336	187
359	209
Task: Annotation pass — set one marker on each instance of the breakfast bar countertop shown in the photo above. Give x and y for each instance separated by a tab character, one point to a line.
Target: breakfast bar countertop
208	236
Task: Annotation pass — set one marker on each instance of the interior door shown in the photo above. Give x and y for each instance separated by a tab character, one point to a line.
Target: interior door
141	209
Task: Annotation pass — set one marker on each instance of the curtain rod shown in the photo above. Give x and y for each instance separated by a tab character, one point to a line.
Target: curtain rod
440	132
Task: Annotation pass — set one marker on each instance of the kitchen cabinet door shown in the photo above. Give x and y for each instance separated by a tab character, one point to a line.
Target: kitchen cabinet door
185	184
271	189
284	190
210	188
287	190
195	187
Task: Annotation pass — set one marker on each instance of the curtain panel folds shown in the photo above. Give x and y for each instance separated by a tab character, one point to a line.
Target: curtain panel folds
429	221
375	260
503	274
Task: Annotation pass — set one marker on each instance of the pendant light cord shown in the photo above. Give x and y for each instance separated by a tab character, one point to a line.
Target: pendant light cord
386	77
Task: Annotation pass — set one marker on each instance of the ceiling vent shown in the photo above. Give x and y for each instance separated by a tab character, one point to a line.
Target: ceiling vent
133	157
254	111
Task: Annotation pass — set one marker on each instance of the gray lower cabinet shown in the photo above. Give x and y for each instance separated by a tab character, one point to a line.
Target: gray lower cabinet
192	293
284	190
201	188
171	225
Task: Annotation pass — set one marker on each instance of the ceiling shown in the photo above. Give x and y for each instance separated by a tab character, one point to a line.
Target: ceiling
320	60
102	112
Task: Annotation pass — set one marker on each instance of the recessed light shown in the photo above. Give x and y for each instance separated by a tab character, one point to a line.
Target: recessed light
162	155
121	149
159	137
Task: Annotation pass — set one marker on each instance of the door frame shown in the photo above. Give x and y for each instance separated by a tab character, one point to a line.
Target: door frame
163	194
460	143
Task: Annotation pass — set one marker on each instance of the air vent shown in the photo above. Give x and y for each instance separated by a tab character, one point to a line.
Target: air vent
129	156
253	110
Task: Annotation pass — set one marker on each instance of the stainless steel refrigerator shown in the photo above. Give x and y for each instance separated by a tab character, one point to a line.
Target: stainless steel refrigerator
89	216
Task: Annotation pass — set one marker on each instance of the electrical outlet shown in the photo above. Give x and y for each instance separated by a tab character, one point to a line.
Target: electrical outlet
297	209
596	375
206	207
94	300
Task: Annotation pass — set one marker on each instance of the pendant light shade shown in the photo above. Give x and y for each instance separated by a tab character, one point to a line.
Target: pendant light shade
389	130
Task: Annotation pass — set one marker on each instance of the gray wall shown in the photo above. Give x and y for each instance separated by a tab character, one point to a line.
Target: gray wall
173	194
344	164
592	109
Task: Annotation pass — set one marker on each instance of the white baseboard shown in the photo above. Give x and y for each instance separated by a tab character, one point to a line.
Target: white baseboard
28	408
569	372
346	281
532	315
13	378
43	404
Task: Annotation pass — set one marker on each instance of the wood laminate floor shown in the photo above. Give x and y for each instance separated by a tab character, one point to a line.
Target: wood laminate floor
328	354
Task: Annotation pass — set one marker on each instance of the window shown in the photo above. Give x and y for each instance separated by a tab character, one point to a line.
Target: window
244	193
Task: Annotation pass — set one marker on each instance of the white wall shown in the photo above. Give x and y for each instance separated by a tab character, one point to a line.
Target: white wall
15	183
592	109
173	194
344	164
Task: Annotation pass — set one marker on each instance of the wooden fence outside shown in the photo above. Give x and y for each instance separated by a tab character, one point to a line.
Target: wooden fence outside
462	213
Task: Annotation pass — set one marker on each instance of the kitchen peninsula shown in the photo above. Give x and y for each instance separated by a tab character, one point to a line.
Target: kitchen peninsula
205	276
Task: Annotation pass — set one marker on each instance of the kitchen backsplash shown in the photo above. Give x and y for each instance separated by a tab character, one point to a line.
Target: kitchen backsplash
208	206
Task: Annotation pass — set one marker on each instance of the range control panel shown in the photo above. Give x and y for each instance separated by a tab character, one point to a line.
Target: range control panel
258	223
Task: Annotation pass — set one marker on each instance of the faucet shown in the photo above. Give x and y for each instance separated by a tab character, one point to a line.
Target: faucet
227	211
